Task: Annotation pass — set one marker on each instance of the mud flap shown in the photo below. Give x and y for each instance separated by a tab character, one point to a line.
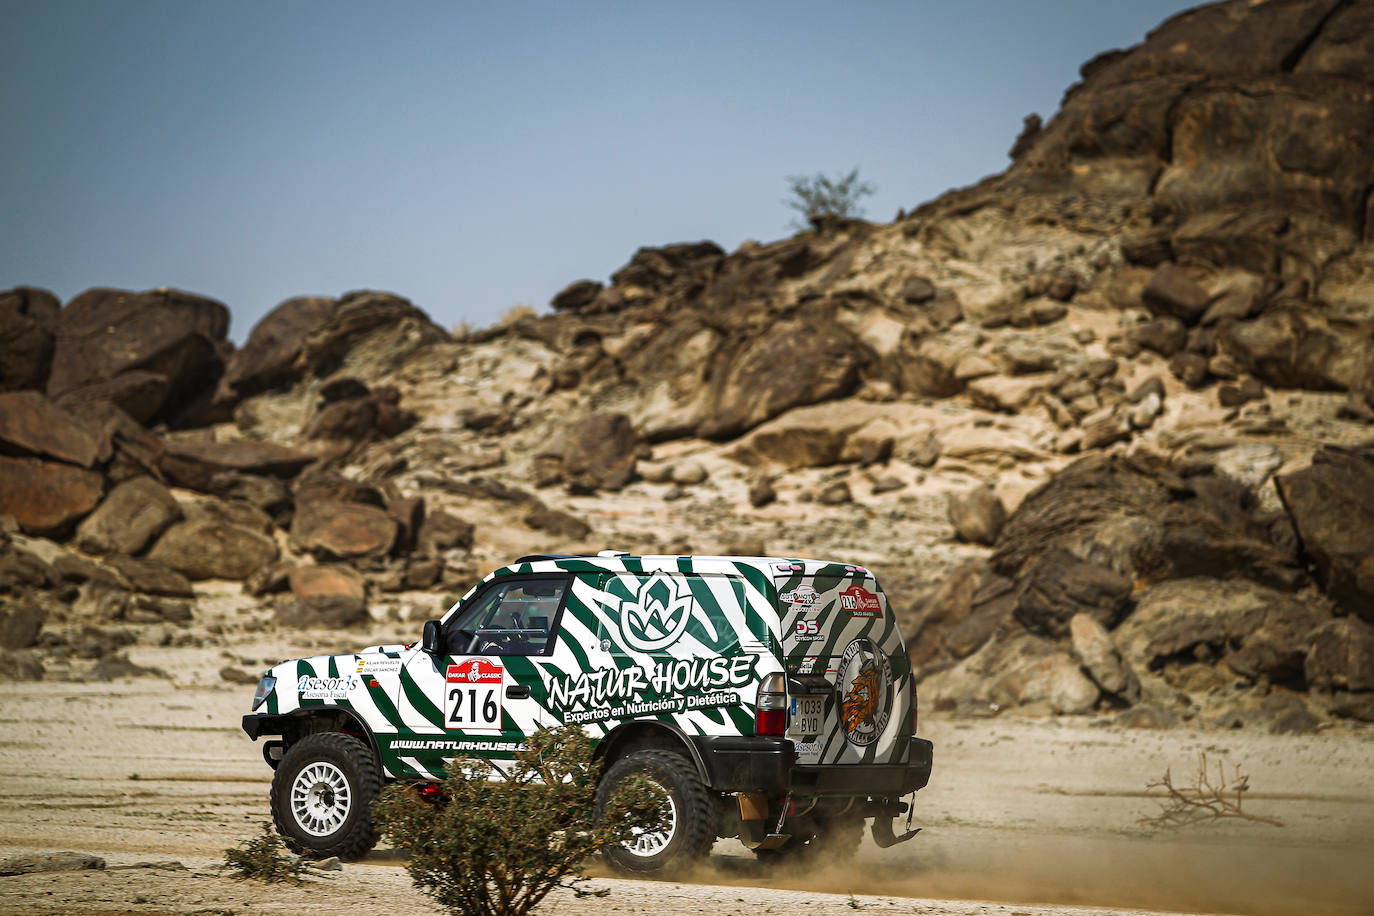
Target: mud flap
882	825
753	826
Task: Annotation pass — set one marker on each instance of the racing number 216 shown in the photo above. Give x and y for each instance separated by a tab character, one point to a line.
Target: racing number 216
473	692
479	713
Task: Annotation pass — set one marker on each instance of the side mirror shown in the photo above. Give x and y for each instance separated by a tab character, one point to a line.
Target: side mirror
429	640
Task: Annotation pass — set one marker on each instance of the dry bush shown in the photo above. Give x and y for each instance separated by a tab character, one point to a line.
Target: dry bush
264	858
518	312
1206	799
496	848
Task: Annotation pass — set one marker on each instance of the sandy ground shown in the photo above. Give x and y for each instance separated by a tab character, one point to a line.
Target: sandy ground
1021	816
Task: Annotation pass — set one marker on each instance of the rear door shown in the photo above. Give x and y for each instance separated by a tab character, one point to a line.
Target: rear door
849	673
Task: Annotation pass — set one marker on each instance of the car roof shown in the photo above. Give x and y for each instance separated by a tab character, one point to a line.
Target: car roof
686	563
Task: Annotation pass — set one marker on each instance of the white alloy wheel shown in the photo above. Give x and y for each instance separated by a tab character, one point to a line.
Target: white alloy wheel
652	842
320	798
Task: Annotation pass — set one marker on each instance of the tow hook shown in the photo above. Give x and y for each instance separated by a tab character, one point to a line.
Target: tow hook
272	752
883	835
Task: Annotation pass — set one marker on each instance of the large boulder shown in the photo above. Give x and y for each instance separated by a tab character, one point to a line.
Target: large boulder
20	625
28	334
194	464
137	393
30	424
440	531
1057	585
1229	105
794	363
269	357
128	449
1341	656
207	549
329	595
1055	680
151	577
977	515
1332	506
657	269
1295	346
46	498
375	332
134	512
1139	518
1262	633
599	451
332	529
179	336
1100	658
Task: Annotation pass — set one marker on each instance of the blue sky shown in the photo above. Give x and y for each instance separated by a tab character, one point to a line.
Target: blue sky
473	156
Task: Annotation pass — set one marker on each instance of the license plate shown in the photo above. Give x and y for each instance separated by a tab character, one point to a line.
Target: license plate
806	713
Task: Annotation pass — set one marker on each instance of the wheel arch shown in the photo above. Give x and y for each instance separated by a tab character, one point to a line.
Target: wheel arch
295	725
642	734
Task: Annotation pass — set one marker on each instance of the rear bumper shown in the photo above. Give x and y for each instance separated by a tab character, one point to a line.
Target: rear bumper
768	765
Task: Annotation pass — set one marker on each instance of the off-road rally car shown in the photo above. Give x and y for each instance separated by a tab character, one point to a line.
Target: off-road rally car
770	699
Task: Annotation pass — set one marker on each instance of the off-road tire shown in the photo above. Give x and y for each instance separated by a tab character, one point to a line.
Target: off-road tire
835	839
329	760
692	832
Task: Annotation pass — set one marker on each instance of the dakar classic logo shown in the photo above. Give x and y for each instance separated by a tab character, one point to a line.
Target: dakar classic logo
659	615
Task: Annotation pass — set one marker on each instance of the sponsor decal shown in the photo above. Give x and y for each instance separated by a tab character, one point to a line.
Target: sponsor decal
473	696
325	688
865	688
605	686
652	707
858	601
659	615
803	597
374	665
438	744
807	630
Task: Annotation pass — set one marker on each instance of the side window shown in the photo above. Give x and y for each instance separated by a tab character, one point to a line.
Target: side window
510	617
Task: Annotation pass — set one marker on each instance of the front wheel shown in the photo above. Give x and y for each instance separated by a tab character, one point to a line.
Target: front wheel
690	828
322	795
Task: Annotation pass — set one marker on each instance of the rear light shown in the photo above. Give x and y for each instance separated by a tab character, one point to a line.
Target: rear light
913	704
770	710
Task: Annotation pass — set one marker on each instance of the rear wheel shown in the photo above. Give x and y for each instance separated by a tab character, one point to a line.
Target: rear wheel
689	831
322	795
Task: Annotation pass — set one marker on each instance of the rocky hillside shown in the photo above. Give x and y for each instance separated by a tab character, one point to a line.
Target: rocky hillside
1104	423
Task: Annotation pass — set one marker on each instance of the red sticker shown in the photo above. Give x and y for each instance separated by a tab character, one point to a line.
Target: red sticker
858	601
477	671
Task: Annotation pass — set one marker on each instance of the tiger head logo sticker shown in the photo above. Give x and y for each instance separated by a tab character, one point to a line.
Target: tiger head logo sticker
865	687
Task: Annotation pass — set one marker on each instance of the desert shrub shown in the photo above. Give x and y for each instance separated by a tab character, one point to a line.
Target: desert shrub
496	848
264	858
1208	798
815	196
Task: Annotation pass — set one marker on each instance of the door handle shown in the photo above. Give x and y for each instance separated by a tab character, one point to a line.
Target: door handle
518	692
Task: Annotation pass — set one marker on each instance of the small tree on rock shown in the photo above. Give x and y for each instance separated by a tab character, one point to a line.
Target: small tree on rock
497	848
817	196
